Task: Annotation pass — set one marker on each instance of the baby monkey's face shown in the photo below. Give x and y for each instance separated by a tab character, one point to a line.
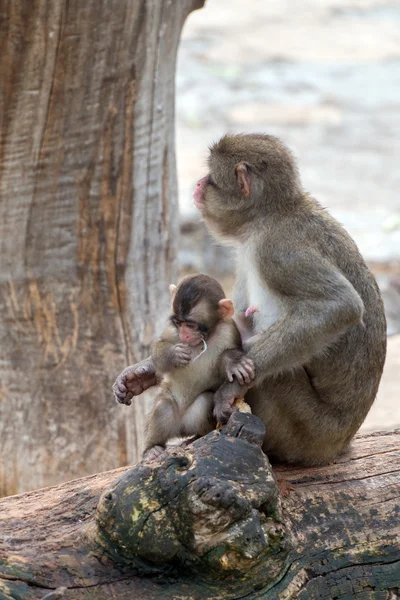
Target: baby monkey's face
188	331
198	305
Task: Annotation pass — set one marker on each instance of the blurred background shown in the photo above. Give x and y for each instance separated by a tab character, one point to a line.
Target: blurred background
324	76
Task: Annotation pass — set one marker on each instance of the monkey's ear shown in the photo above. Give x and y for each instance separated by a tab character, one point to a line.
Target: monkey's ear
172	289
243	179
226	308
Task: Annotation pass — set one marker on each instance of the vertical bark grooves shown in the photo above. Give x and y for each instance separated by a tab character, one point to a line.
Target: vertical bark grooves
86	113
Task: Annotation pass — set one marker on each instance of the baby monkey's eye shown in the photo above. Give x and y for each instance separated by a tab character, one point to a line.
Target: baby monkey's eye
191	325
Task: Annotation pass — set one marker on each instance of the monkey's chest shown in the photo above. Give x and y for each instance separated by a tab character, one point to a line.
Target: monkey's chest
186	383
268	304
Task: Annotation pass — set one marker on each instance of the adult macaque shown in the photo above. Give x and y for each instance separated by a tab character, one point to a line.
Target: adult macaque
318	336
199	350
320	328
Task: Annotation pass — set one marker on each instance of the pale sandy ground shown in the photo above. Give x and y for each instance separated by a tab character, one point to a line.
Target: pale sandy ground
385	412
324	75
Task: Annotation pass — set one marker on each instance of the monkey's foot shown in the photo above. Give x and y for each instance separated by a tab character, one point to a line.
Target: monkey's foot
153	453
134	380
251	310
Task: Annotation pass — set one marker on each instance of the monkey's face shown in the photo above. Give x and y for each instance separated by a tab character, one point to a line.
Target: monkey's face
194	321
188	331
198	304
221	203
250	176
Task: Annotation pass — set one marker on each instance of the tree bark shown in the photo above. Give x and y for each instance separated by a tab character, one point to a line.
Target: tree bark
209	522
88	225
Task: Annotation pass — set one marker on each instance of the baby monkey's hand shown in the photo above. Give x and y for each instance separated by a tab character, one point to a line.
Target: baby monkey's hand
181	355
241	368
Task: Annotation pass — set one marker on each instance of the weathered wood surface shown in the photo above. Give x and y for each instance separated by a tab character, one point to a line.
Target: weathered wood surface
88	225
338	531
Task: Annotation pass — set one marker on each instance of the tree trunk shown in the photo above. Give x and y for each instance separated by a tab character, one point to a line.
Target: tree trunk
209	522
88	225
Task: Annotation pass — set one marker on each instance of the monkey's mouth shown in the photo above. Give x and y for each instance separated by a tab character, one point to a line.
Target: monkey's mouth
198	195
199	204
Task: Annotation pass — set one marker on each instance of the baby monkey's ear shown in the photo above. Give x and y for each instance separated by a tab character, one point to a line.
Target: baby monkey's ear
172	289
226	308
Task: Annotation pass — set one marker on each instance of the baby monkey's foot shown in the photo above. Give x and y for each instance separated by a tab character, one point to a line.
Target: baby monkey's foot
153	453
251	310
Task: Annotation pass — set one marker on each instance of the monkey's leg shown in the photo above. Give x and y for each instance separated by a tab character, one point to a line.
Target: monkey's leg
300	427
134	380
198	418
163	423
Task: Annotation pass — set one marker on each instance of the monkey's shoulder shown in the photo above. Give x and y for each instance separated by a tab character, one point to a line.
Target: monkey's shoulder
226	335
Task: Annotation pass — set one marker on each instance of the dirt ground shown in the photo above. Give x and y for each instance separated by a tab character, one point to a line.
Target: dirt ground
323	75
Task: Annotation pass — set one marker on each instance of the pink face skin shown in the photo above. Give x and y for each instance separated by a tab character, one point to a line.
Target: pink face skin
189	334
199	190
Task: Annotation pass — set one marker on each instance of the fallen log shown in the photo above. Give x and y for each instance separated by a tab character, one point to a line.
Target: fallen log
212	520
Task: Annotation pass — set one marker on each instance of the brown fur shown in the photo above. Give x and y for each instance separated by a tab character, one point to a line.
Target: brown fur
321	330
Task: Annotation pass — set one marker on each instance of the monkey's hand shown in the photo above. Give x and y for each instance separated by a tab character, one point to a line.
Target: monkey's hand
224	398
242	369
181	355
134	380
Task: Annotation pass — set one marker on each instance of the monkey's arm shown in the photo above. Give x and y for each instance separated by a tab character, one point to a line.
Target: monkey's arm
319	304
168	353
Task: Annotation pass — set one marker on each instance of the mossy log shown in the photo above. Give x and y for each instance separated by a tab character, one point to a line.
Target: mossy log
212	519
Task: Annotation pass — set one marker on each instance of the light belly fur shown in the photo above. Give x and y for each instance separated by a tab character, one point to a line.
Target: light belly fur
186	383
259	295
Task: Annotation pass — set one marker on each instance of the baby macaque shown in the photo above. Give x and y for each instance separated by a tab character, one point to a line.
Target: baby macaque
199	350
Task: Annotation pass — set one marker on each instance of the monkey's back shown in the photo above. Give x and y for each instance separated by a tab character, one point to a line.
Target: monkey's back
346	375
312	412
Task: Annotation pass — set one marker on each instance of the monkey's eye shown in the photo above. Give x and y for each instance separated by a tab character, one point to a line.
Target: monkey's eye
174	321
211	180
191	325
